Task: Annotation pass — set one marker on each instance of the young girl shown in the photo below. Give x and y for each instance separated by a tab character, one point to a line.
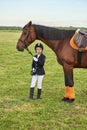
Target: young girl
37	70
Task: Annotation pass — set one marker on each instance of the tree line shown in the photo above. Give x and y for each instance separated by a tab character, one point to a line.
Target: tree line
10	28
20	28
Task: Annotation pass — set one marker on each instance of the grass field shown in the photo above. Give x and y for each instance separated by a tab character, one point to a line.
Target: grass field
47	114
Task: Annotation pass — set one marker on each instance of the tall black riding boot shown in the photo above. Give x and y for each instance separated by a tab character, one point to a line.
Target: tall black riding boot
38	93
31	93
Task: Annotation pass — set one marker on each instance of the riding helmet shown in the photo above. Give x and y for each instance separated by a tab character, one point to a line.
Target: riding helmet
39	45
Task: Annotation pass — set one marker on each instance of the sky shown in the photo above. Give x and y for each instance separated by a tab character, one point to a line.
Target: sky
43	12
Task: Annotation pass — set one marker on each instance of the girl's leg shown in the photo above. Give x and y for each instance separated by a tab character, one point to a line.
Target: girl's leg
33	83
39	83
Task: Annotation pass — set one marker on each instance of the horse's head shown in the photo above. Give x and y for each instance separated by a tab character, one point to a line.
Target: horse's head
27	37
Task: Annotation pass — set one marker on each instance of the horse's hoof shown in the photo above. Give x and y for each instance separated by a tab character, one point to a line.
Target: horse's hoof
70	100
65	99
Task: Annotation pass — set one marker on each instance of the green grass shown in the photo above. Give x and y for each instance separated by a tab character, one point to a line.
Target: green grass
49	113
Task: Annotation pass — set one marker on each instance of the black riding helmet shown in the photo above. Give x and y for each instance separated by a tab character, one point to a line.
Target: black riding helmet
39	45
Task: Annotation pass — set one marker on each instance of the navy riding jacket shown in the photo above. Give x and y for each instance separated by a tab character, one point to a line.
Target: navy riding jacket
39	65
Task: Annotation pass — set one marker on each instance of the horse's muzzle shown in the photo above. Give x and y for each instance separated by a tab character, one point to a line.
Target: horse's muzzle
20	48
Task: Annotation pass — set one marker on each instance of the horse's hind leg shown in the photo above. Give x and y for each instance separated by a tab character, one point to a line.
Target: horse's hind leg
69	84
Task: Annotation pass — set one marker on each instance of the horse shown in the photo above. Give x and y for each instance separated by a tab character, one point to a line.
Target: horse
59	41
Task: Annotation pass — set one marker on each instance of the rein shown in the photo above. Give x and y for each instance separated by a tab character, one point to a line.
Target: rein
29	51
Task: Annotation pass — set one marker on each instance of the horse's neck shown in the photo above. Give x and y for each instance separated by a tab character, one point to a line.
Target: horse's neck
53	44
52	36
43	34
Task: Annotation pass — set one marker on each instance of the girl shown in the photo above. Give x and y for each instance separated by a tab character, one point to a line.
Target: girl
37	70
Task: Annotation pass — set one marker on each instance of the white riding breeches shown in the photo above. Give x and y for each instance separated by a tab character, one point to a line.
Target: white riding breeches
37	79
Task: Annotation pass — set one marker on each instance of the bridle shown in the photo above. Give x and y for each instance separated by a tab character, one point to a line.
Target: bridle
25	41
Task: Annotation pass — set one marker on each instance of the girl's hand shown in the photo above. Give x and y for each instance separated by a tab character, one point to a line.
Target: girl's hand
35	59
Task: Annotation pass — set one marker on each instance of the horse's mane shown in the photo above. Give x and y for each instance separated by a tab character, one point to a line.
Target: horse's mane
51	33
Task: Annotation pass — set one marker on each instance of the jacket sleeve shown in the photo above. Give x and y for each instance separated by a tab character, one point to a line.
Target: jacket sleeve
41	60
33	63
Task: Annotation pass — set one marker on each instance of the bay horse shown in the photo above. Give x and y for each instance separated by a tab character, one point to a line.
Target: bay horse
59	41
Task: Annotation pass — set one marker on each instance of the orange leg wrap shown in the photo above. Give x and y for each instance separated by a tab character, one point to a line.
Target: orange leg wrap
66	92
69	92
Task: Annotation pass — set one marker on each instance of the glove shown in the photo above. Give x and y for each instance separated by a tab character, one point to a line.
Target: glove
34	70
35	59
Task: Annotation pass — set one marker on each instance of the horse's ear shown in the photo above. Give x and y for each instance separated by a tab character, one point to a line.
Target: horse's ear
30	23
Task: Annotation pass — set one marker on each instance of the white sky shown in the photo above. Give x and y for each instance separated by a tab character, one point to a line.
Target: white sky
46	12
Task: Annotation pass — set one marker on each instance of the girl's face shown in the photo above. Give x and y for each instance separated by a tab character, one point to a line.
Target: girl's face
39	50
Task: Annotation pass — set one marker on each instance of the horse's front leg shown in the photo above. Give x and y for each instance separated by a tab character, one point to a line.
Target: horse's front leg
69	83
